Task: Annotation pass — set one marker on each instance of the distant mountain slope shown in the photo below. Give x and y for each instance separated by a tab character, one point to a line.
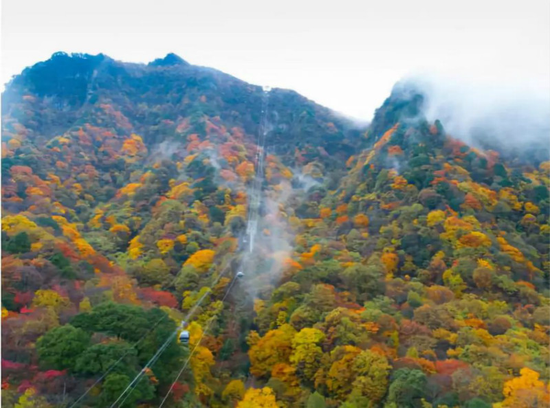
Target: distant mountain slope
65	92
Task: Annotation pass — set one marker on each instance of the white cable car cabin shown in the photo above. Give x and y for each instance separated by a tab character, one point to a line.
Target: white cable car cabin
240	274
184	337
184	334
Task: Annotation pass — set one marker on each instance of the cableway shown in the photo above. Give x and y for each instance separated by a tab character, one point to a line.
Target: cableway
205	330
259	164
252	226
153	327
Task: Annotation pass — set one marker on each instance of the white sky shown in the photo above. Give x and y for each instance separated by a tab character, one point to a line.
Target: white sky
344	54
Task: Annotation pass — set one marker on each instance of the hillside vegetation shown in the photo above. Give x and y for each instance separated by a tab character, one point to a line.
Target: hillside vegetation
395	266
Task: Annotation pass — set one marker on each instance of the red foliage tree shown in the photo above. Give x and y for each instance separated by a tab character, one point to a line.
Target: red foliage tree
159	298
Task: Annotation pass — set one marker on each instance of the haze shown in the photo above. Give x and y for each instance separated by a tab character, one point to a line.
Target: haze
345	55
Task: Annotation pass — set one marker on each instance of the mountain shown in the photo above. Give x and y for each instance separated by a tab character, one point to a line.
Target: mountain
68	91
387	266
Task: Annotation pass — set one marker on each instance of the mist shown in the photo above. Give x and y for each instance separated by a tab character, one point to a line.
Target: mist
303	181
487	113
271	238
165	151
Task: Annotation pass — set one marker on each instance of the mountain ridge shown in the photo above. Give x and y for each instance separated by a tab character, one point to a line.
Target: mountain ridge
105	72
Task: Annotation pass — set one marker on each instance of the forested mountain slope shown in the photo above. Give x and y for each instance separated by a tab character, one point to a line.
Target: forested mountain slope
394	266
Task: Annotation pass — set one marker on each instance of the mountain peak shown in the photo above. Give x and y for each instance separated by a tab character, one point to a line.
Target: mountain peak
65	76
170	60
405	102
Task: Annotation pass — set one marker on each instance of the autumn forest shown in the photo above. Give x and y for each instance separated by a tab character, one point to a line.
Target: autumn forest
315	262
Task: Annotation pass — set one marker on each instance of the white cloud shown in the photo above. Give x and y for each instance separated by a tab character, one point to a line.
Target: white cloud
512	113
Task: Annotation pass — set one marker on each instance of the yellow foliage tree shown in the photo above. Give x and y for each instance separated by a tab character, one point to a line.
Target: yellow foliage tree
306	354
474	239
133	145
128	189
399	183
190	299
510	250
309	255
50	298
95	222
245	170
435	217
340	376
525	391
134	250
390	261
111	220
180	190
165	245
258	398
233	391
237	211
287	375
29	399
275	347
70	231
119	228
201	361
532	208
454	281
17	223
85	305
201	260
85	249
123	290
372	370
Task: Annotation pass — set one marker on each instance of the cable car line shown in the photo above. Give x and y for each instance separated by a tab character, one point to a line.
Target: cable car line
136	379
130	388
251	230
111	368
207	327
134	382
259	163
164	316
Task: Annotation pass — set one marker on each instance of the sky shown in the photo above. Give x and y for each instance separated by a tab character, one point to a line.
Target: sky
346	55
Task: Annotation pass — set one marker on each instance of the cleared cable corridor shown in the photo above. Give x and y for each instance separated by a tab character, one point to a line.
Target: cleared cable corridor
259	162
